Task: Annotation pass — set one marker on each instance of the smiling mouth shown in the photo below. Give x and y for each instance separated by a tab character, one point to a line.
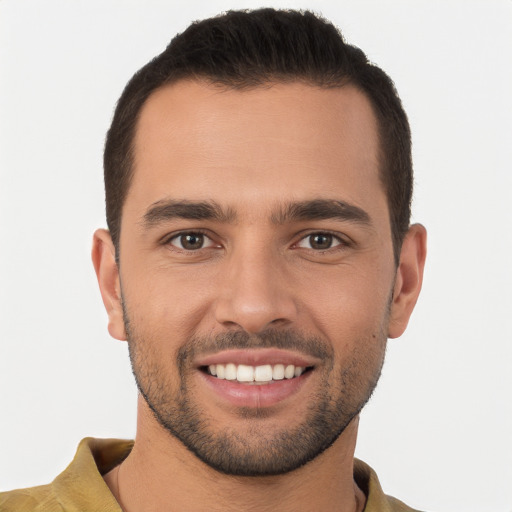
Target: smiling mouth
262	374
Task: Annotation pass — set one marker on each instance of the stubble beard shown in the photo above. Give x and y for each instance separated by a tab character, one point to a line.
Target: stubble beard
258	450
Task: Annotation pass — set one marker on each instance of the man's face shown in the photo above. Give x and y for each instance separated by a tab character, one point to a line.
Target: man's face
255	241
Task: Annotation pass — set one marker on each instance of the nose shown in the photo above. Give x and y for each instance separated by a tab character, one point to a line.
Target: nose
255	292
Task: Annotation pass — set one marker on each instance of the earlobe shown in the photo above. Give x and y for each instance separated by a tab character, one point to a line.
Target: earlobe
409	278
107	272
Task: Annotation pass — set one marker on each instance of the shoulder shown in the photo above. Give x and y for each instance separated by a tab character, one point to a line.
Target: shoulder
36	499
80	487
376	500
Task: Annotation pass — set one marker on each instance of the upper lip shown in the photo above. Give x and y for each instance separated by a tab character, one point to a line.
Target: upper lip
257	357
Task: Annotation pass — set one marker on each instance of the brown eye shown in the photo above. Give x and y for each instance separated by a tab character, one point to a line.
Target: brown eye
191	241
319	241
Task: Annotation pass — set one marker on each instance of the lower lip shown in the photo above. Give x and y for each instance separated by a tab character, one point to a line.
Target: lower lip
242	394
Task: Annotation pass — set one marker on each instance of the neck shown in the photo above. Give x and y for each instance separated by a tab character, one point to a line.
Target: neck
160	474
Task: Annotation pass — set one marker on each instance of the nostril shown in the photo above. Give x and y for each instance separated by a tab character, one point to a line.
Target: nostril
279	322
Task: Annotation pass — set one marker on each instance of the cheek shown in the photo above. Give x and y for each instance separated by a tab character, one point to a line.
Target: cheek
350	303
166	307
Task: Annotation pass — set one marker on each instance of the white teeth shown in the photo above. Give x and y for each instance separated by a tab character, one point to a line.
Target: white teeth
262	373
278	372
244	373
221	371
230	371
289	372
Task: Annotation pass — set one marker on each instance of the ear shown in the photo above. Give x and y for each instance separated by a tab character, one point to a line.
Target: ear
107	272
409	277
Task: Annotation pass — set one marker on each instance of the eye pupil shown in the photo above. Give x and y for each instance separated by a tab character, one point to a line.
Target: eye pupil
320	241
192	241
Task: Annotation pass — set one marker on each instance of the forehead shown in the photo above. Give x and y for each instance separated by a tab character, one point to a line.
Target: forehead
255	146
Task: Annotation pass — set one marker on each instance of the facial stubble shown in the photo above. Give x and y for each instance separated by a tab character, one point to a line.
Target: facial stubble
261	448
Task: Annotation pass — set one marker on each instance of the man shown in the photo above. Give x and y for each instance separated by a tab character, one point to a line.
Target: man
258	183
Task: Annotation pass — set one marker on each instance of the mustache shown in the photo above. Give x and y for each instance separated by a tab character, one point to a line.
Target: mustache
271	338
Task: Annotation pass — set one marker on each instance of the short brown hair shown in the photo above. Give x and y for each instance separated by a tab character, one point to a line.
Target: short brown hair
243	49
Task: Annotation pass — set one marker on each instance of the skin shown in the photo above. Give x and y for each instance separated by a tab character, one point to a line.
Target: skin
253	152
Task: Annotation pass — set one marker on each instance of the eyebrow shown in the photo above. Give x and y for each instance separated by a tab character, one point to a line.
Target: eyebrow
316	209
194	210
321	209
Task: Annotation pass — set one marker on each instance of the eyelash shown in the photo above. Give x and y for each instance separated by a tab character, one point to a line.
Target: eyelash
341	242
175	236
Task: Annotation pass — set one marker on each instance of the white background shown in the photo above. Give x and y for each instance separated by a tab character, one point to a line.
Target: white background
439	429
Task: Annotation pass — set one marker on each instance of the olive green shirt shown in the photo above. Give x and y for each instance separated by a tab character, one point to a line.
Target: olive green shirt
81	488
